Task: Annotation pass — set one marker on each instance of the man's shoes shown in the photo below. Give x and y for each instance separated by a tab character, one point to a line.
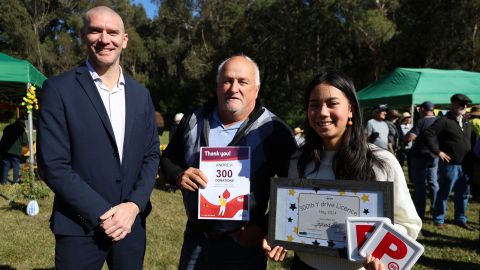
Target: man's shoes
439	226
465	226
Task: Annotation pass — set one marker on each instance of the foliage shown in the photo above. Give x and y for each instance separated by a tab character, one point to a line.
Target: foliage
30	188
176	53
30	101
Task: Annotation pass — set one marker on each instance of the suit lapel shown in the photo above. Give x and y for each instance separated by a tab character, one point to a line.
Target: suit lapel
129	112
85	80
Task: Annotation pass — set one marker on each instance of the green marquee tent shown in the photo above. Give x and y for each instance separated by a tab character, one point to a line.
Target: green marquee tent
15	74
408	86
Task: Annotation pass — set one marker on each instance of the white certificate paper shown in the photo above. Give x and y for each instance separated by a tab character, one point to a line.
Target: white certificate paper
227	195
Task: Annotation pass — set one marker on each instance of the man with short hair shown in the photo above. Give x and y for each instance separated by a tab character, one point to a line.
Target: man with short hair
98	151
234	118
455	139
377	129
424	163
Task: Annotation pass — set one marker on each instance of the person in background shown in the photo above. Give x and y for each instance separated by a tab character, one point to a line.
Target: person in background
13	140
391	120
234	118
474	118
160	123
176	120
424	163
455	139
98	151
298	132
476	171
404	147
377	129
336	148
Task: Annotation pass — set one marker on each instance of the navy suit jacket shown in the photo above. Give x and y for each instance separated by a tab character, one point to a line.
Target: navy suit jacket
78	157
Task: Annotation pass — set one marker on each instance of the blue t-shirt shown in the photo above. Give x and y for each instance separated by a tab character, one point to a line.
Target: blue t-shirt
419	148
219	135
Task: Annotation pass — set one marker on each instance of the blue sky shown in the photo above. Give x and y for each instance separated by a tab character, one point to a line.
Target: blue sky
150	8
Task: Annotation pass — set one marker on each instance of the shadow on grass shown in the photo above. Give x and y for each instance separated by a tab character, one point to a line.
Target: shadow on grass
436	239
6	198
465	244
6	267
435	263
14	206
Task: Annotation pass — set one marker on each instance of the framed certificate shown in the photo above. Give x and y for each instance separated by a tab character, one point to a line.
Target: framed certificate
309	214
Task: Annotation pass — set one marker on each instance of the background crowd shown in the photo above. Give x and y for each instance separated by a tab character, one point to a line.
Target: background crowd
99	153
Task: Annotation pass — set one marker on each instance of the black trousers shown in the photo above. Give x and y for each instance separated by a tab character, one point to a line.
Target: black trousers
91	252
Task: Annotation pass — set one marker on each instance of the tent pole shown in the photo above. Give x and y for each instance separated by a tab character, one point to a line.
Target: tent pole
412	108
30	139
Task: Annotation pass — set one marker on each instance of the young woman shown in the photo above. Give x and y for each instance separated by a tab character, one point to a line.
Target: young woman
336	148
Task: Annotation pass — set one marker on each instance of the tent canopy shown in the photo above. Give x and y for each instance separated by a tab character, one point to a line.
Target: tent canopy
405	86
14	75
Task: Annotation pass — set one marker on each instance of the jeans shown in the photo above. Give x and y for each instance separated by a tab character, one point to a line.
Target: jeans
424	168
452	176
222	252
10	161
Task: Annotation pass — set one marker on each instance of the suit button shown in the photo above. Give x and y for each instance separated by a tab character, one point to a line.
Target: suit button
115	154
118	180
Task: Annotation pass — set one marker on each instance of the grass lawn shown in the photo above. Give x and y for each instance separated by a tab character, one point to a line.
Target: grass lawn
27	243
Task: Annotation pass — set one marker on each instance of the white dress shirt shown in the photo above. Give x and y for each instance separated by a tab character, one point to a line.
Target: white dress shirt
114	102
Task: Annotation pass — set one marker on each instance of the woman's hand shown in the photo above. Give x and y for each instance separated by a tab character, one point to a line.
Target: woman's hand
277	254
372	263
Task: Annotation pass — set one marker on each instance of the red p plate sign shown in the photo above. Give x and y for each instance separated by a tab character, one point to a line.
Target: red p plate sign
393	248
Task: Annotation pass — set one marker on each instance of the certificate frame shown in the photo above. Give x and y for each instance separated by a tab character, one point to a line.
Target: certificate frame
282	196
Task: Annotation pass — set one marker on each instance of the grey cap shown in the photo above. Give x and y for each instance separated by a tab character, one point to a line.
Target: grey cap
427	106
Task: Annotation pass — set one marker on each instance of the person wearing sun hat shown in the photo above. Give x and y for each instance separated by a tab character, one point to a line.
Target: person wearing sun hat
455	139
298	132
403	127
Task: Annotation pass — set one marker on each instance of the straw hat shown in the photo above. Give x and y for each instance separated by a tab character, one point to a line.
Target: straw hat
406	115
178	117
297	130
475	110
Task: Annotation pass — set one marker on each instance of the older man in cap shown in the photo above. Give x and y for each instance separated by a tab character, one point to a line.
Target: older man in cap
424	163
455	139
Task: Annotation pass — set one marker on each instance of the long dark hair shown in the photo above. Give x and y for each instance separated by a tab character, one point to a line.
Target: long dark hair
354	159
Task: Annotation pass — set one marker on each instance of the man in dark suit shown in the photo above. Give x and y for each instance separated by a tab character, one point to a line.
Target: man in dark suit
98	150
